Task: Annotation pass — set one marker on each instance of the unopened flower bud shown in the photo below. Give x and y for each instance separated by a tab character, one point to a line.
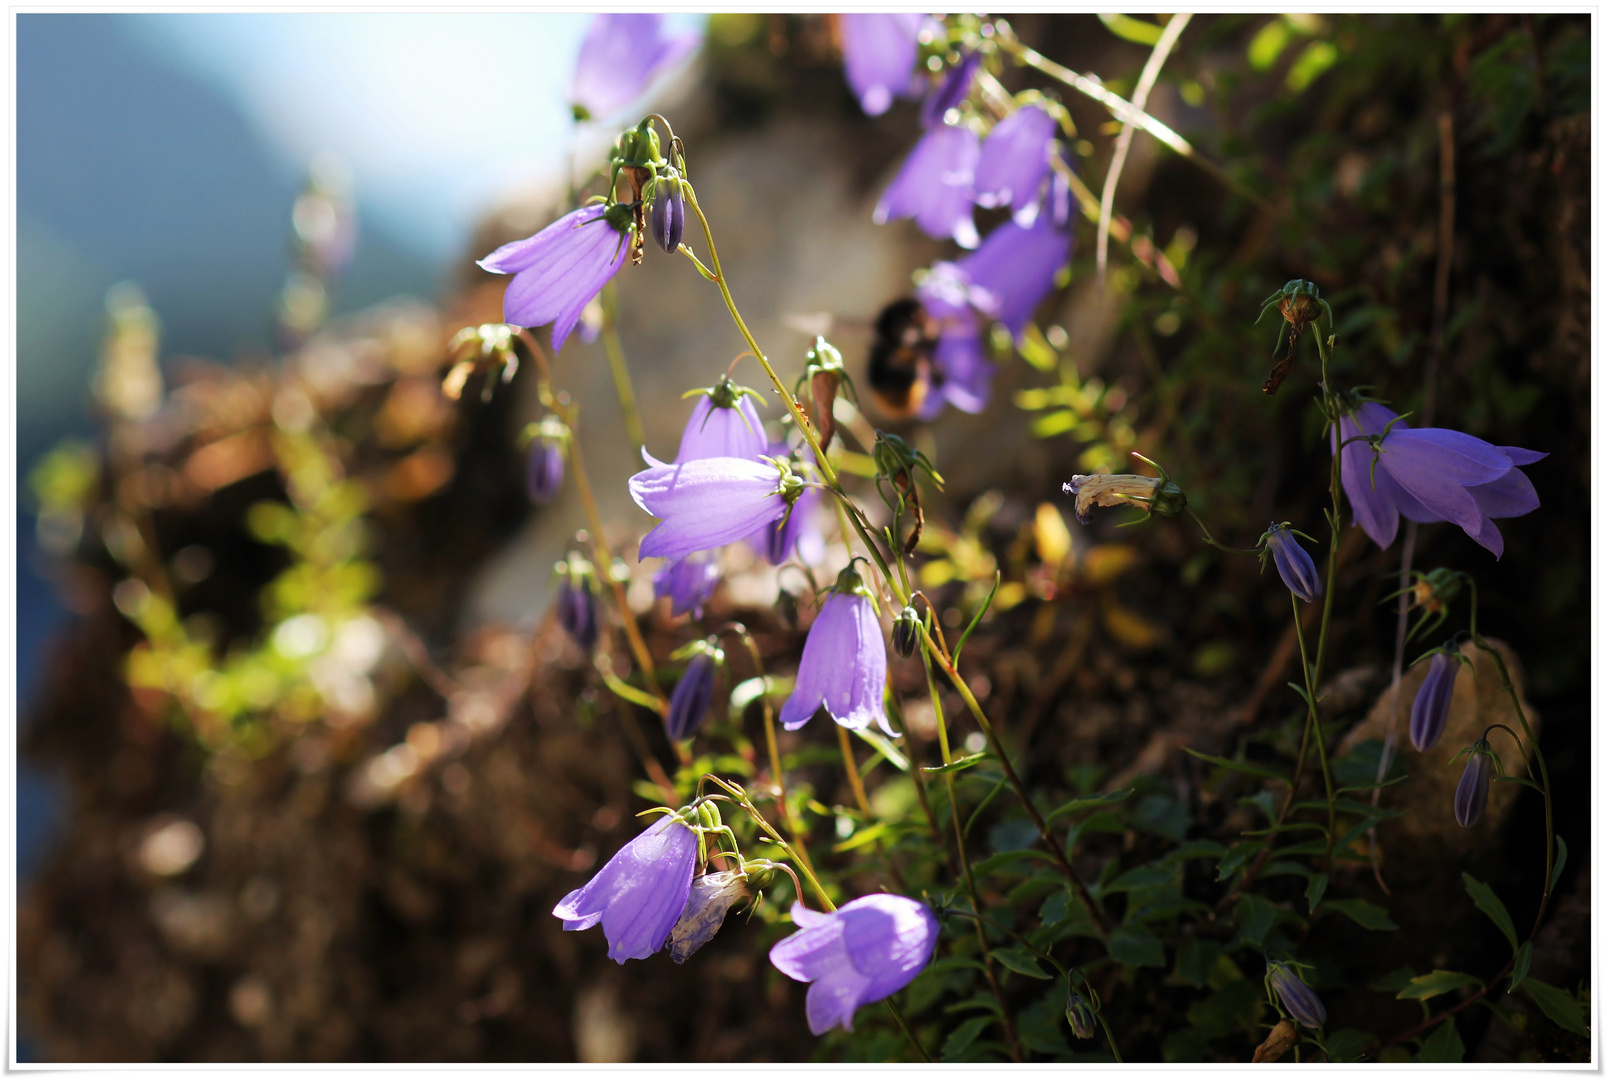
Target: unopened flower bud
577	601
1434	700
1295	997
692	695
544	474
1295	566
1475	785
669	218
823	369
1080	1015
711	896
906	632
787	608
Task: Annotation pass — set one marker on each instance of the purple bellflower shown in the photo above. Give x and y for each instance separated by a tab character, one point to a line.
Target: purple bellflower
1294	564
879	56
1434	700
963	372
640	893
1296	996
1018	265
860	953
1474	786
1014	161
709	502
845	662
688	582
544	473
724	423
1430	474
621	55
951	91
558	271
934	186
692	695
577	600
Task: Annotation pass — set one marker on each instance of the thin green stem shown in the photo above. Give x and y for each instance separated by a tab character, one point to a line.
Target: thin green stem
1315	727
618	369
960	850
1111	1040
1540	758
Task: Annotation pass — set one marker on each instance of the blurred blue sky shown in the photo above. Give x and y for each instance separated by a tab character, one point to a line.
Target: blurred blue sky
168	150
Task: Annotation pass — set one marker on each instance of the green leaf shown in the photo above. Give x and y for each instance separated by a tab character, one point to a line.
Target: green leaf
1560	1005
959	763
1241	766
1347	1045
1131	29
1087	802
1021	961
1487	901
977	618
860	839
1005	858
1142	877
749	690
1196	849
1314	891
1237	856
882	745
1236	1007
1196	958
1256	916
1443	1044
1434	984
1521	966
1557	867
961	1039
1135	947
1392	982
1369	787
1366	915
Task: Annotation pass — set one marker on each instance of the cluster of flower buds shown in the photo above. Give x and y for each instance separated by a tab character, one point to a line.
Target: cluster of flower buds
897	464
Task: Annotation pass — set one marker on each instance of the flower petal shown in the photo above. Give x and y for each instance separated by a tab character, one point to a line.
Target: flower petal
717	431
705	503
879	55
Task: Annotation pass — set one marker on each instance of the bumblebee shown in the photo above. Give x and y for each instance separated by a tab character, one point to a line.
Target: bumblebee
900	369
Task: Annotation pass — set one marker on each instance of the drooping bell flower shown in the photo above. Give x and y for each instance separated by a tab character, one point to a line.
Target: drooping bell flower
544	471
1014	160
1295	996
1018	264
708	502
621	55
934	186
712	895
864	951
577	600
724	423
688	582
1434	700
558	271
796	534
640	893
949	93
1430	474
845	662
879	56
1474	786
692	695
1294	564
